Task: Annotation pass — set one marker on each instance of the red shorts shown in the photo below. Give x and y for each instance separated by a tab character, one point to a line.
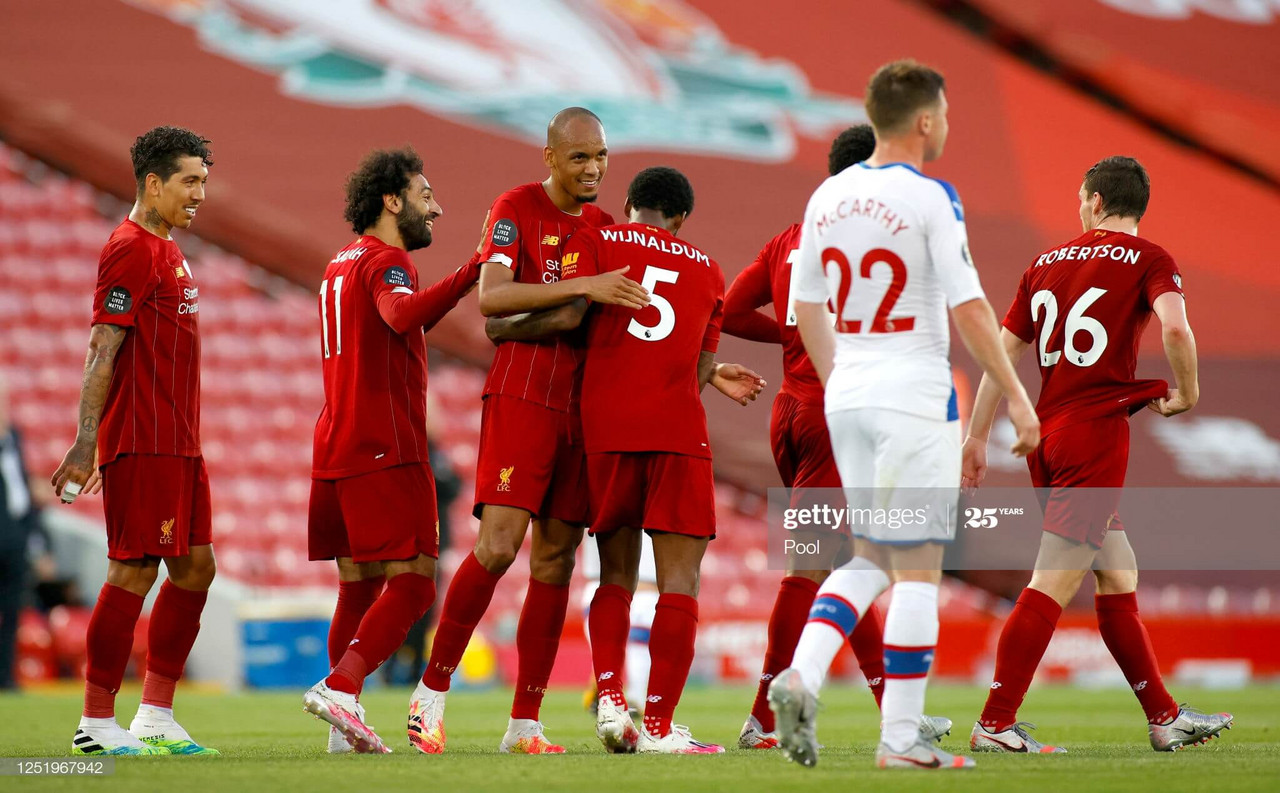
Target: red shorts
531	458
802	444
656	491
1074	460
383	516
156	505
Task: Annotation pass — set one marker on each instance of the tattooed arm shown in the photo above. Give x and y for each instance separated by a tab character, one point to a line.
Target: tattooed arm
80	463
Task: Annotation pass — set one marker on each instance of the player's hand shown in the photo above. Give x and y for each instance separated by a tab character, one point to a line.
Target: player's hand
77	466
737	382
1027	425
484	232
1171	405
973	463
615	288
94	485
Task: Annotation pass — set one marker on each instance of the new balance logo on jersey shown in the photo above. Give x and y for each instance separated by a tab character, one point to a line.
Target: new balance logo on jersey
166	532
551	239
178	272
504	479
606	675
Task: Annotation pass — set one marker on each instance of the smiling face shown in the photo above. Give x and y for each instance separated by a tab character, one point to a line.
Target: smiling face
578	159
177	198
418	212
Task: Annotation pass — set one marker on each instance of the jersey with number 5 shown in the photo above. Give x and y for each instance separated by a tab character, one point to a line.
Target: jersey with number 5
888	247
375	380
640	378
1083	307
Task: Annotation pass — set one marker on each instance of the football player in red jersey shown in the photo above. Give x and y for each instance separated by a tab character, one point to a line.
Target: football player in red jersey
650	471
373	505
802	452
140	433
530	461
1105	285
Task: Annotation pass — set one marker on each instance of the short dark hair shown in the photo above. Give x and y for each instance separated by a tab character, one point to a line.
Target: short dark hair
382	172
1123	184
851	147
898	90
664	189
158	150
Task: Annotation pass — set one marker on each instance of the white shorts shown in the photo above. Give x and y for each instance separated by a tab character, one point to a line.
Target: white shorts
900	471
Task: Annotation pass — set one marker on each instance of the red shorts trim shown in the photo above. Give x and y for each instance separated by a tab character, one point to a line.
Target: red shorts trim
384	516
655	491
155	505
1083	466
531	458
802	444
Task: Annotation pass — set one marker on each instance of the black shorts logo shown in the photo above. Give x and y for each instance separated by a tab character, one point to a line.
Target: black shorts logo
504	233
118	301
396	276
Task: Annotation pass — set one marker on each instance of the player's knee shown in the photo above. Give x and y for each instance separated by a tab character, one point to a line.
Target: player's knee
494	554
555	569
683	582
1116	582
137	578
1061	585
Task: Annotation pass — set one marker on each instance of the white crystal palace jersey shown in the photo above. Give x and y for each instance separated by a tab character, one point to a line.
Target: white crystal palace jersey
887	245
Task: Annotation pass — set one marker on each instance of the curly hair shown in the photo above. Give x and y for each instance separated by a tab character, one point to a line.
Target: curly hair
383	172
851	147
158	150
664	189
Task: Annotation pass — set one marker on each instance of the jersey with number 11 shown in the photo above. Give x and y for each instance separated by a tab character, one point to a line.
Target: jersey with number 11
888	247
640	378
375	380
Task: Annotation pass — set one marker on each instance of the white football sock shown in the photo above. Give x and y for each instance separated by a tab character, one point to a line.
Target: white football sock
644	604
910	636
856	584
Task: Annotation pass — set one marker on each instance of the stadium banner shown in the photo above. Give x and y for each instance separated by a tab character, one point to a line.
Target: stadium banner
1000	528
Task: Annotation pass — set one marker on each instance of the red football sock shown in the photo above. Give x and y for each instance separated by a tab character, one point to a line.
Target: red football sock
867	641
537	640
1023	640
786	622
108	642
464	605
608	626
1126	637
382	631
175	622
354	599
675	628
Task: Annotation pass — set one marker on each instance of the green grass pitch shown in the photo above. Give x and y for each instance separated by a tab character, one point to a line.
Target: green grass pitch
269	744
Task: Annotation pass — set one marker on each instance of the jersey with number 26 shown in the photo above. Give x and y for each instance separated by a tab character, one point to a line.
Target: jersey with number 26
1084	306
887	245
640	380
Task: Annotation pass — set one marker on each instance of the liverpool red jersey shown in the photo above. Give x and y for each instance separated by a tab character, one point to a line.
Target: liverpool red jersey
527	233
153	404
1084	306
640	380
768	280
375	358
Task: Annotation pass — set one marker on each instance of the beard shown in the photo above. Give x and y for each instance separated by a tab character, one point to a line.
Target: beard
413	229
586	199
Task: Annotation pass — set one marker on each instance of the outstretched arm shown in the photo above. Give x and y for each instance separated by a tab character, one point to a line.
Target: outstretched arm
79	466
748	292
532	326
501	294
424	308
